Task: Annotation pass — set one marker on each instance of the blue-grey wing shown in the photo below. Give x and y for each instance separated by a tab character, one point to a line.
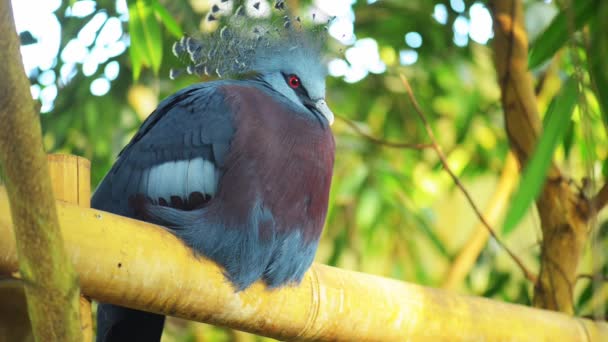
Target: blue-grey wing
178	152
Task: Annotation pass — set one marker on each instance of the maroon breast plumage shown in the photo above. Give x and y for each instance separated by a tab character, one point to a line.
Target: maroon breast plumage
289	156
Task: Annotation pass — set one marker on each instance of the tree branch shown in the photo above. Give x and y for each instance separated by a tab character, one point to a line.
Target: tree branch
600	277
600	200
527	273
381	142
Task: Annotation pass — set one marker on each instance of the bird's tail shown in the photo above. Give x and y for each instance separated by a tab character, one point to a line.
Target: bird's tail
119	324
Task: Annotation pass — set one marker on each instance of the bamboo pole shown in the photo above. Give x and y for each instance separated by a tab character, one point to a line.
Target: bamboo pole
140	265
70	177
71	181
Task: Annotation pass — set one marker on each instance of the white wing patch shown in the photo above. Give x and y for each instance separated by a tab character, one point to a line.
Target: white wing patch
209	179
180	178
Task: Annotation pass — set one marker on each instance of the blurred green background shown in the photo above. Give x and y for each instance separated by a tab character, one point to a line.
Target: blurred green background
99	71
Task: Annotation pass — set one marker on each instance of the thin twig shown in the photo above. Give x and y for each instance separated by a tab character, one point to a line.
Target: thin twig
527	273
465	258
375	140
600	277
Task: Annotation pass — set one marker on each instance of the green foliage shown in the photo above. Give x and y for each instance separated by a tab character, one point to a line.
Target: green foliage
557	34
146	40
598	52
170	23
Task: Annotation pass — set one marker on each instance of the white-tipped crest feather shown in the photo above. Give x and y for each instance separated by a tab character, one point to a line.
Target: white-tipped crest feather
245	43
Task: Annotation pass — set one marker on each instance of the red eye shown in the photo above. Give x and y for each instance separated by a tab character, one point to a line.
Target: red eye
293	81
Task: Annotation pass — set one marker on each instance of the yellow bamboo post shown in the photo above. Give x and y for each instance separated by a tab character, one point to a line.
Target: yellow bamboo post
140	265
71	180
71	176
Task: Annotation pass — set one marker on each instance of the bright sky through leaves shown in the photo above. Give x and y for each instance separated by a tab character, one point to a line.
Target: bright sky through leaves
86	52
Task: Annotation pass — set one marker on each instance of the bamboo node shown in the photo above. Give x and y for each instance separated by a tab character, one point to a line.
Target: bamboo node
315	304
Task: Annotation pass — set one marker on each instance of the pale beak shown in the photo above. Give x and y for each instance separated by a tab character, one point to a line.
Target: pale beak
321	107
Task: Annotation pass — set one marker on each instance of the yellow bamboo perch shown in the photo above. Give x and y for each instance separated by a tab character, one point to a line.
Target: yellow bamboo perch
140	265
71	178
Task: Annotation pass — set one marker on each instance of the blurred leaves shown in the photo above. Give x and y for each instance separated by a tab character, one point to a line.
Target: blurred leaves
146	40
598	55
170	23
558	32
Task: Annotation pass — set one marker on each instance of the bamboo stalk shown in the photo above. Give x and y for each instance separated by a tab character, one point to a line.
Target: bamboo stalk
563	213
50	280
140	265
71	181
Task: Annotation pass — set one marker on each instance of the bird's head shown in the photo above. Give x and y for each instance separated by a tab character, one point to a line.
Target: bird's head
283	54
293	68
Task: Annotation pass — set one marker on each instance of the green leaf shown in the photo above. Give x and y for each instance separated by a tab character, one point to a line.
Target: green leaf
568	141
584	297
523	297
170	23
555	125
597	56
497	283
368	208
137	51
427	230
558	32
152	34
136	62
340	244
146	39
